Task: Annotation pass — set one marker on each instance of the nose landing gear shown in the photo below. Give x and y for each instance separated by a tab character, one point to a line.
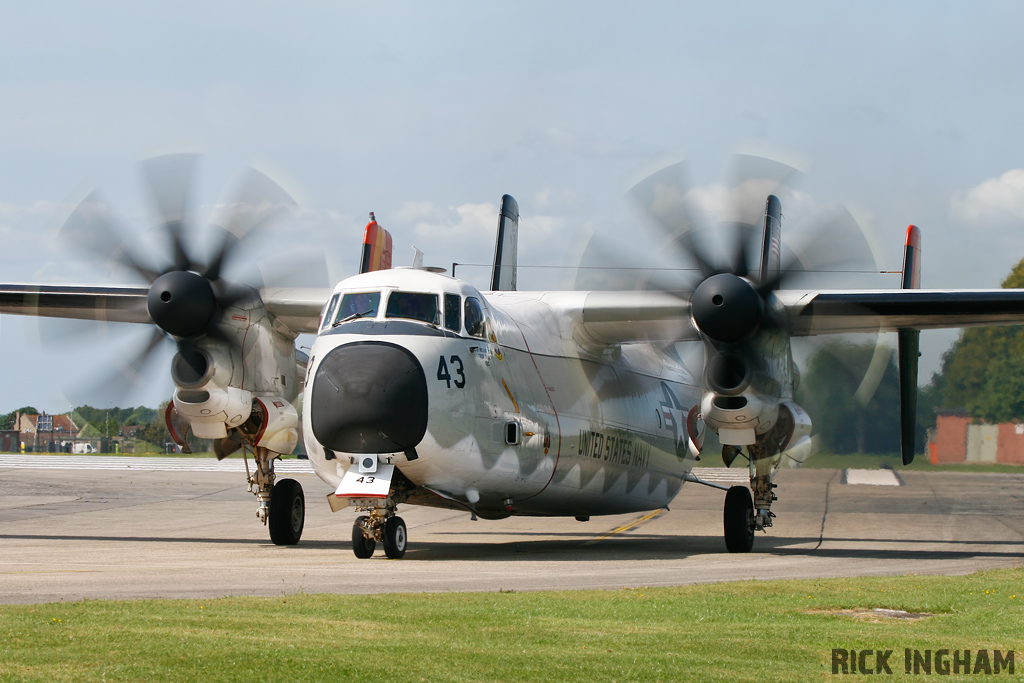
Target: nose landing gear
380	525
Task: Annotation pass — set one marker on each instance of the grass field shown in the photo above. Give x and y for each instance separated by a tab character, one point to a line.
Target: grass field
748	631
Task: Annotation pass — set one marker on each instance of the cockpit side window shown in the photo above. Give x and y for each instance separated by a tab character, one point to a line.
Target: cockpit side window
452	313
475	320
328	316
358	305
415	306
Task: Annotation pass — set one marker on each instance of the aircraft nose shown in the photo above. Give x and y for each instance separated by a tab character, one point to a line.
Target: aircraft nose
369	397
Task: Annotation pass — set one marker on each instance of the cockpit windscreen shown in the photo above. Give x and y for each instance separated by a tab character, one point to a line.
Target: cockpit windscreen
358	305
414	306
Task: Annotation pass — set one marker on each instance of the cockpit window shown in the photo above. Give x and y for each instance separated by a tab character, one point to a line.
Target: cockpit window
360	305
328	315
413	305
452	313
475	325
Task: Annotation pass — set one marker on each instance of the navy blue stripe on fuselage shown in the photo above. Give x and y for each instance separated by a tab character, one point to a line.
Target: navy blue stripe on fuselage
391	327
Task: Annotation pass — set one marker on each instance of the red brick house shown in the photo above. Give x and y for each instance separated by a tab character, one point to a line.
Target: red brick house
46	433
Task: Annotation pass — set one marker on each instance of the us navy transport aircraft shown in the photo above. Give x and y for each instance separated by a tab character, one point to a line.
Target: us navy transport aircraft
422	390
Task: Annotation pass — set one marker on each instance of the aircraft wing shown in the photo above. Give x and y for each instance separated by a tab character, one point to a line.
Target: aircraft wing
121	303
298	308
624	317
835	312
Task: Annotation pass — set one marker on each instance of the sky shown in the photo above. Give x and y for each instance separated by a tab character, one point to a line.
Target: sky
426	113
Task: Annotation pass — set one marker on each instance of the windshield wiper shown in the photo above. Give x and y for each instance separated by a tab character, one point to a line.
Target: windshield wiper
353	317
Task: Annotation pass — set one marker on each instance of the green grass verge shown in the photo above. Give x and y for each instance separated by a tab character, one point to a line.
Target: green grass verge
746	631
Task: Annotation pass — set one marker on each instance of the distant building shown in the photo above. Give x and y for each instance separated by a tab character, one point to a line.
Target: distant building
131	431
46	433
960	438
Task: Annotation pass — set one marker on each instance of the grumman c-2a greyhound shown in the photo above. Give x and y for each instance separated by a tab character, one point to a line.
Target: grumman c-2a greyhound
422	390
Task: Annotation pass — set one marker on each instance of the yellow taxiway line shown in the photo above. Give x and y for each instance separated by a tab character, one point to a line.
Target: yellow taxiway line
626	527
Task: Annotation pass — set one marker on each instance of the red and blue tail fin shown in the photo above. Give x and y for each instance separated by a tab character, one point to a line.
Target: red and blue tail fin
376	247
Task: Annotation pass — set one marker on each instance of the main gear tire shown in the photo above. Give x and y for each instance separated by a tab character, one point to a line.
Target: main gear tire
287	512
739	520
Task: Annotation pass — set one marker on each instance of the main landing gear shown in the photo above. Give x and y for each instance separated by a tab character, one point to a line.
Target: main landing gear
282	504
744	515
739	520
368	529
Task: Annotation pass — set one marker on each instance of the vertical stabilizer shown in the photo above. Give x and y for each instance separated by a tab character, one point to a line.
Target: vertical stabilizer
771	242
909	350
503	276
376	247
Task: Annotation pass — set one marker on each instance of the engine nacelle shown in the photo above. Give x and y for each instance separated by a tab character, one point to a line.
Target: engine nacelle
279	426
738	419
212	410
797	444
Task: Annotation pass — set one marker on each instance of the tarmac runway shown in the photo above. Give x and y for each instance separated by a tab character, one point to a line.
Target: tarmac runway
140	530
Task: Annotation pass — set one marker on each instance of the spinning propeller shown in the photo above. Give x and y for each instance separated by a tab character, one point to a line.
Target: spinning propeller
187	294
746	341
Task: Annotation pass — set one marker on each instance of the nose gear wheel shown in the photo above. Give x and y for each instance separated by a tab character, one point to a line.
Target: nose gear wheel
381	525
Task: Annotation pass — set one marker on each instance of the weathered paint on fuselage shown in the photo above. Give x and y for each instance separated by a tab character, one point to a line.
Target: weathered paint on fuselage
600	429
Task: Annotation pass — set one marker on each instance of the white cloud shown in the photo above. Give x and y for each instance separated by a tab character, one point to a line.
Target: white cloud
419	212
549	198
995	202
474	221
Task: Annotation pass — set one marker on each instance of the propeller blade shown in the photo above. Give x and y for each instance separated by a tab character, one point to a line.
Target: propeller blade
259	201
830	242
169	179
298	268
126	370
665	197
749	180
744	235
222	334
602	265
93	227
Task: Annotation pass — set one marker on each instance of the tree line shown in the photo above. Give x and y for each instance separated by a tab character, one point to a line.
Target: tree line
108	422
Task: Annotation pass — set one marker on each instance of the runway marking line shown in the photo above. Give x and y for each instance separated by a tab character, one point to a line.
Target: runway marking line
626	527
54	571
